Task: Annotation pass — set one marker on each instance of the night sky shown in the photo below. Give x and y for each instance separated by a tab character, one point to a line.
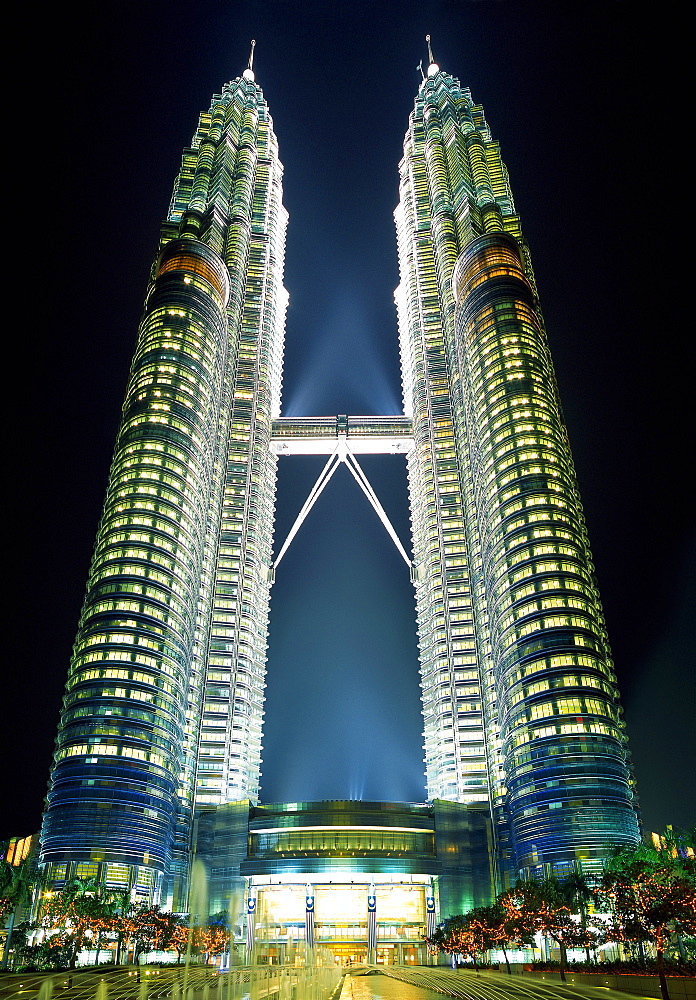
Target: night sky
587	101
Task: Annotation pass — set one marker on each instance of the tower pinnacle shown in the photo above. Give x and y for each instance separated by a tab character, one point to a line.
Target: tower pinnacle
433	67
248	73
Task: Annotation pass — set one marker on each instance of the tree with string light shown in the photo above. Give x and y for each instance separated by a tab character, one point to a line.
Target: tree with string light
650	894
543	906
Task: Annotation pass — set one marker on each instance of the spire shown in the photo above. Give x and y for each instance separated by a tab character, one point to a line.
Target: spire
433	67
248	73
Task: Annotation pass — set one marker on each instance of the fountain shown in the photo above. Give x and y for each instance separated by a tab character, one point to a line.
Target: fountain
198	911
46	990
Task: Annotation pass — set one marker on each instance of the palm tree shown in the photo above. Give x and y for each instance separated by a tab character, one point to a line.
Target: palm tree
84	908
578	892
16	885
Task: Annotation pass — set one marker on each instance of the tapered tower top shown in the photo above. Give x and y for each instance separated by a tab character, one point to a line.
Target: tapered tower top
433	67
248	73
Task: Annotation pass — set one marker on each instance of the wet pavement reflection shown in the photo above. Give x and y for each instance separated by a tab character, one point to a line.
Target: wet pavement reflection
384	988
434	983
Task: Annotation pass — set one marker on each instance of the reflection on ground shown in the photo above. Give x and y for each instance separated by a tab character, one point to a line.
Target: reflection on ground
432	984
384	988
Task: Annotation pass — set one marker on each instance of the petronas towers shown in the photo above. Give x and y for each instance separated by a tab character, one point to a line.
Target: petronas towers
163	710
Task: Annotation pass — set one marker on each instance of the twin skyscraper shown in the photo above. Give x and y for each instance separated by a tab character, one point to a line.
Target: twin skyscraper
162	716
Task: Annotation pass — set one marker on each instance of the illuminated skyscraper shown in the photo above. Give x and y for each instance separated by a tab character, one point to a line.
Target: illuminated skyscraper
162	718
520	700
165	693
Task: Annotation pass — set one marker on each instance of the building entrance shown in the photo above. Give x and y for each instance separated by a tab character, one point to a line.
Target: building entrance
349	952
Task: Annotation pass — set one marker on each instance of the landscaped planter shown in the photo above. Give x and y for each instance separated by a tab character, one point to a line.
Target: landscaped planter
680	988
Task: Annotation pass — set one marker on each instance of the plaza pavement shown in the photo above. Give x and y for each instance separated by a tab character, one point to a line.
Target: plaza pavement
273	983
402	983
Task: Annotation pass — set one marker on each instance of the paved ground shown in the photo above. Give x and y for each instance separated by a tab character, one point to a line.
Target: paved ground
151	983
399	983
392	983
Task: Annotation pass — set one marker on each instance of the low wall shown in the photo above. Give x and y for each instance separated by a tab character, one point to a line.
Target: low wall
643	986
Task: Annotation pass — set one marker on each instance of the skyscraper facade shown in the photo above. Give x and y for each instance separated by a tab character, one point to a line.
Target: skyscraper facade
162	716
520	701
163	704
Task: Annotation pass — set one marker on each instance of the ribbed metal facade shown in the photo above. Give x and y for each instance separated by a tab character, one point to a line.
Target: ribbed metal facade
520	699
165	694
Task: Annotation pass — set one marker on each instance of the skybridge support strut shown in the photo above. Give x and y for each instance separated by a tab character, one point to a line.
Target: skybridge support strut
314	494
341	453
364	484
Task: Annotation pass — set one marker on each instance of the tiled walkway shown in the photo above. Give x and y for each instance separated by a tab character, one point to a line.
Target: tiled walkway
433	984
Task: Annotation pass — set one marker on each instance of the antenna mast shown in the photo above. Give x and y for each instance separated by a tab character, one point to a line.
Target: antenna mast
248	73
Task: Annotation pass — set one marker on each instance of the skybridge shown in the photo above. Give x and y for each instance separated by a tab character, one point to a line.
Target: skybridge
342	438
363	435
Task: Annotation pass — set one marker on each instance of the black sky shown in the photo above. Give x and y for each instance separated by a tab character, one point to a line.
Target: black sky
587	101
